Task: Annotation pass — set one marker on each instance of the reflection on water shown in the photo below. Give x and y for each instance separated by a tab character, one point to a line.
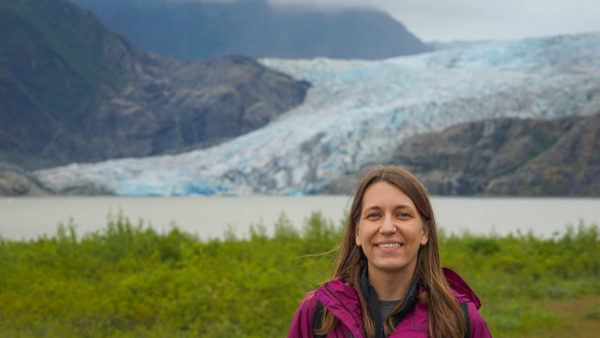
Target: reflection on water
209	217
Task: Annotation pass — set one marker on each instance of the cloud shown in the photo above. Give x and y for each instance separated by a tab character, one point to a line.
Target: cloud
206	1
476	19
473	19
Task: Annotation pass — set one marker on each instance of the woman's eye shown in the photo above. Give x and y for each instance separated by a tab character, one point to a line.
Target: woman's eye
372	216
403	215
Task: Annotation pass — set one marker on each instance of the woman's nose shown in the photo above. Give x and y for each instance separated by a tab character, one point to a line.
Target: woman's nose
387	225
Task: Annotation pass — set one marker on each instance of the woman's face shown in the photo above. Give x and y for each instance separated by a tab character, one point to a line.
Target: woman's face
390	230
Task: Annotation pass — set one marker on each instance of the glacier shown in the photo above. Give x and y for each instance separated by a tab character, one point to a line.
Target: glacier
357	112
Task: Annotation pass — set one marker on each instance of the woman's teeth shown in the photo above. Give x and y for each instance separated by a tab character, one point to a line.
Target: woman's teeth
389	245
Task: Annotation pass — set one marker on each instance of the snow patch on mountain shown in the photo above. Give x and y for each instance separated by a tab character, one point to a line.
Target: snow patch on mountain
358	111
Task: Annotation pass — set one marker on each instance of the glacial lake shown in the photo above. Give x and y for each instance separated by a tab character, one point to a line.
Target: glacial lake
211	217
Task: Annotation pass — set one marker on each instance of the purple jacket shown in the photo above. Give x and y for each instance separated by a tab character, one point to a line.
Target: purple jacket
342	300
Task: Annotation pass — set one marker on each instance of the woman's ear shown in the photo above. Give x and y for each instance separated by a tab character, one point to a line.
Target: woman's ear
356	236
425	235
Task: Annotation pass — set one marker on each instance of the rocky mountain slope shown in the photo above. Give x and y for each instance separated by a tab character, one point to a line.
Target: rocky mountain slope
507	156
15	181
359	112
201	29
73	91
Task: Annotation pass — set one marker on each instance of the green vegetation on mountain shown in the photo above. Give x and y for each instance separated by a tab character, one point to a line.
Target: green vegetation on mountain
130	281
38	35
56	63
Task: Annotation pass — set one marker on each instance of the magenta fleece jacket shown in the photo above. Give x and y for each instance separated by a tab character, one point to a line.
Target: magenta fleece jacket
342	300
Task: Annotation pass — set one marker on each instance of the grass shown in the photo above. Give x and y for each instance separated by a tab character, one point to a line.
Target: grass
130	281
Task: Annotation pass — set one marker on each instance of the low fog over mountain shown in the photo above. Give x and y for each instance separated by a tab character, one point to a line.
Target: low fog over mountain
203	29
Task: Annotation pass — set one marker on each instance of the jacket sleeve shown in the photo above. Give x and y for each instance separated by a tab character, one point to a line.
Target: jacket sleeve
479	328
301	326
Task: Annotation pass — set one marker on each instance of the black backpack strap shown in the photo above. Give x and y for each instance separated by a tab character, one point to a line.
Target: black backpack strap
316	323
317	316
465	309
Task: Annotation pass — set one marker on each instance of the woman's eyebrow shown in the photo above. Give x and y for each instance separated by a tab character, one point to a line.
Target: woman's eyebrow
399	206
373	207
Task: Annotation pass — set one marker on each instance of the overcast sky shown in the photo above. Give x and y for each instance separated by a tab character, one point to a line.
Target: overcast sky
447	20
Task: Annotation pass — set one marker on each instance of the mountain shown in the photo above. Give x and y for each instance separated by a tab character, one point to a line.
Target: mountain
506	156
358	113
73	91
203	29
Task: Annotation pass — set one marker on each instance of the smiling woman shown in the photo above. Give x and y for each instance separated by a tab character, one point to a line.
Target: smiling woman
388	280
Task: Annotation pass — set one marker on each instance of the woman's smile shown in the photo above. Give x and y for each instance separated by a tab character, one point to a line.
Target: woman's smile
389	245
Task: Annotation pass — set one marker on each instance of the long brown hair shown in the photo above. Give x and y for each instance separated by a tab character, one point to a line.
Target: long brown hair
445	316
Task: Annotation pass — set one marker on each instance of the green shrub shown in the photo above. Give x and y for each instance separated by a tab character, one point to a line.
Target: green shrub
131	281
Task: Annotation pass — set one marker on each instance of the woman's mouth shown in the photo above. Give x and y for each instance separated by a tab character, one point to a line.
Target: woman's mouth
389	245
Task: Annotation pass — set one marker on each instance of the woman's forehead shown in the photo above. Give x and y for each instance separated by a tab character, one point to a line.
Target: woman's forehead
383	194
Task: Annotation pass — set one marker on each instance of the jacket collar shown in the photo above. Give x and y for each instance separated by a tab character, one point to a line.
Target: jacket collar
374	304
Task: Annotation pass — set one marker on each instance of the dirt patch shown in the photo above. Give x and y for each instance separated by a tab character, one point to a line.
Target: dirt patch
579	317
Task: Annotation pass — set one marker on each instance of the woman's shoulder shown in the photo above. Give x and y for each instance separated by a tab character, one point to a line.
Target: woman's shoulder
302	322
335	295
477	324
308	301
460	289
334	287
465	295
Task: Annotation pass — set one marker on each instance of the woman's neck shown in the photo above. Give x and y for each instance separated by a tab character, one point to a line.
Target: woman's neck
391	286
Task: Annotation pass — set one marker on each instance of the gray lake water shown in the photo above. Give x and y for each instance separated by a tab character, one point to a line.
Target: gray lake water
210	217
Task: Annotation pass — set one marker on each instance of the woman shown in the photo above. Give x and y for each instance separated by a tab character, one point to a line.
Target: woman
388	269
